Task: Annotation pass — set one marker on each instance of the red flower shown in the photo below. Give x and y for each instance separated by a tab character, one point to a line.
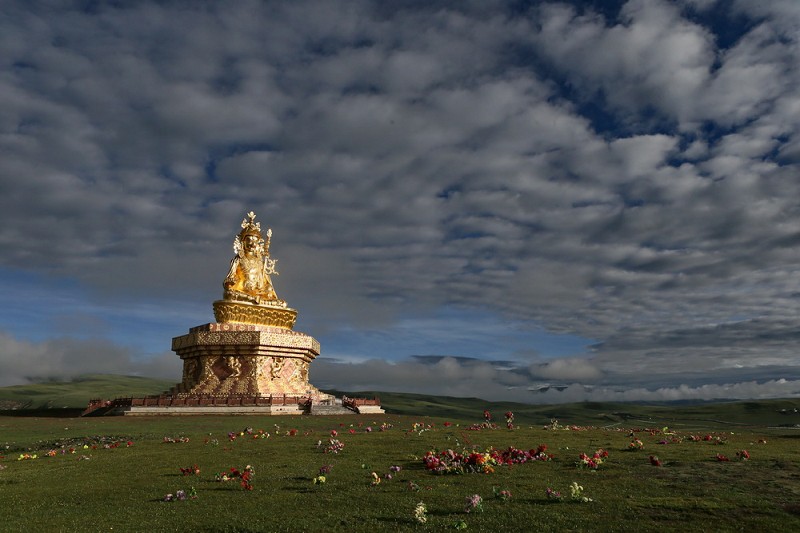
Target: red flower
743	455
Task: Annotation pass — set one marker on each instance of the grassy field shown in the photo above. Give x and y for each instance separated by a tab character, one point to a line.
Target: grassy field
104	474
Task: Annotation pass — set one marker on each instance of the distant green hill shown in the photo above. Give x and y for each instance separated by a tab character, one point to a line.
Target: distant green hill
75	395
785	412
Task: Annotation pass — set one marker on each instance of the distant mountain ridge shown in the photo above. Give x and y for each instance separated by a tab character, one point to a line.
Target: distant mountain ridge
72	396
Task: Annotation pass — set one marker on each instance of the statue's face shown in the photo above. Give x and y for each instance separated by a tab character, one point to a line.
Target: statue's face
250	244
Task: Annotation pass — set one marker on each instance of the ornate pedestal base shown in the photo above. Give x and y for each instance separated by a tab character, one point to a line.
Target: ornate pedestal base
231	359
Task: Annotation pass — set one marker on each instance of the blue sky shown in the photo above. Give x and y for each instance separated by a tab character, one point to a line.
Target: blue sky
534	201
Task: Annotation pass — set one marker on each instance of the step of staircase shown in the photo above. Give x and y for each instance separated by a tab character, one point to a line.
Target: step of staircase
330	410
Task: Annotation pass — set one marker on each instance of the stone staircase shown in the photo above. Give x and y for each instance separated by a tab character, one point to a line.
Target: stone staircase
332	409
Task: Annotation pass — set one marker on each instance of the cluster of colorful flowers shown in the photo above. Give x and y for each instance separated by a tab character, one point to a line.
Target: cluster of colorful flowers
516	456
555	426
71	450
473	503
716	439
117	444
593	462
451	462
482	426
193	470
245	476
635	444
553	494
742	455
502	495
369	429
421	513
376	479
62	451
575	493
256	434
332	446
175	440
418	427
181	495
324	470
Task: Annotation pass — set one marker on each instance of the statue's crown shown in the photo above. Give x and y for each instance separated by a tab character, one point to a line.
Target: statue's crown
250	226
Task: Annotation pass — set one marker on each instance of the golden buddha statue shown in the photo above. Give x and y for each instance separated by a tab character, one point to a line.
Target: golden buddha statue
248	279
249	297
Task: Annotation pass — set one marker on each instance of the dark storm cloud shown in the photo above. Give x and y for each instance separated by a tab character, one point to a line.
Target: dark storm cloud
627	176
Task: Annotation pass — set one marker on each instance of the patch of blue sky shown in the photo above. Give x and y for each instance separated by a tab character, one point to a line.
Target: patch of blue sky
452	332
38	308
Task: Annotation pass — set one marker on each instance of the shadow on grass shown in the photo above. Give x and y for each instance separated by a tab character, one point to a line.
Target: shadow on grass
43	413
792	508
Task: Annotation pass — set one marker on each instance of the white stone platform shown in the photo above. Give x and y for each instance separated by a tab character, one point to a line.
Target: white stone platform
265	410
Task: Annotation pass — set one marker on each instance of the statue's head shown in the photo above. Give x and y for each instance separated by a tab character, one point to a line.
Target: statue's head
250	239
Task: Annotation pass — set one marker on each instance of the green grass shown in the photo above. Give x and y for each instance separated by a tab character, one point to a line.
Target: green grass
121	488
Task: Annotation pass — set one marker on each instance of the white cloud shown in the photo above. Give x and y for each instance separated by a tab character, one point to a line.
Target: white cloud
65	358
570	370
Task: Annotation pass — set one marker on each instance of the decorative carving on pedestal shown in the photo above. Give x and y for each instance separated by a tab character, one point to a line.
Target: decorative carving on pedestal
244	313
